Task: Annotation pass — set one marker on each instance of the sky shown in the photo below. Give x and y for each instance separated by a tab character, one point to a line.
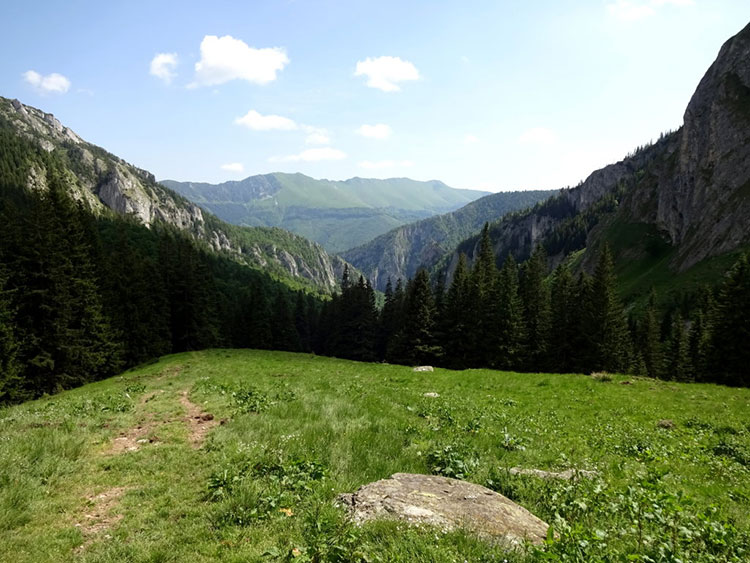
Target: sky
493	95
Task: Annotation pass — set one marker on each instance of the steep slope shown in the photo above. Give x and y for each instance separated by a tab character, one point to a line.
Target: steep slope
673	212
338	215
106	182
401	251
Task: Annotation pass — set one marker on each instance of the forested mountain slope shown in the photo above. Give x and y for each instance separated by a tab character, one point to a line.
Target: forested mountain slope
104	181
337	214
401	251
675	213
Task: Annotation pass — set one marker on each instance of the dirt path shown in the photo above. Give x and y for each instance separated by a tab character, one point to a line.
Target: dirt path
199	422
99	516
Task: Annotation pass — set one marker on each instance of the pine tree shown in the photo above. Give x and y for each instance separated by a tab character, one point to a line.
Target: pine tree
416	343
563	306
11	383
482	298
456	319
507	338
731	330
607	329
537	310
650	341
678	357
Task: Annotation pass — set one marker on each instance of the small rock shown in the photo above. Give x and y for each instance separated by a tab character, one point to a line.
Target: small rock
666	424
567	475
447	504
431	395
423	368
142	441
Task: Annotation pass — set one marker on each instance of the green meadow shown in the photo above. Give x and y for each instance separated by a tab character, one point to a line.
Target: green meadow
239	455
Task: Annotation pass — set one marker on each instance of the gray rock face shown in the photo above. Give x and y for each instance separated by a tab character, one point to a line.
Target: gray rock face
447	504
693	185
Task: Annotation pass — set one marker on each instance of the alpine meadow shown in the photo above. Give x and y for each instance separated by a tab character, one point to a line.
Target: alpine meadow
278	337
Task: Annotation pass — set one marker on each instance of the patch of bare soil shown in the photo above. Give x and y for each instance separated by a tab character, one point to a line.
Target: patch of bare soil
199	422
132	439
98	516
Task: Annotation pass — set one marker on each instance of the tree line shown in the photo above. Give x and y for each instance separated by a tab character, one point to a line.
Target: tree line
523	318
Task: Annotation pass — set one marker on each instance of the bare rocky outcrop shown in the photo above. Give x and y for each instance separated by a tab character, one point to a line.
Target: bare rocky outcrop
692	185
447	504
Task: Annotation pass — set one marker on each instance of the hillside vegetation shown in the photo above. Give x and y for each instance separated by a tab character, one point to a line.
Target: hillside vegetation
337	214
400	252
135	468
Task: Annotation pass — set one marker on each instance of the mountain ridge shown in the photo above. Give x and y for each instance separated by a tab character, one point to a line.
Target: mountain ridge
106	182
337	214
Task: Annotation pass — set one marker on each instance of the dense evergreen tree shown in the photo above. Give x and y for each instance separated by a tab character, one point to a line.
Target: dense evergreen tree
649	341
731	330
415	343
535	295
678	352
456	319
564	307
10	369
606	327
509	333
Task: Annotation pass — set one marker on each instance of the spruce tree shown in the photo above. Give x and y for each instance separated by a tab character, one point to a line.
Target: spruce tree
607	329
731	330
537	310
650	341
564	328
11	383
508	337
416	343
456	320
678	352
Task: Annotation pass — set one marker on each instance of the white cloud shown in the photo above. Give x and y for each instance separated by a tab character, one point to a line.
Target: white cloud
233	167
379	164
226	58
385	72
257	122
538	136
50	84
634	10
470	139
379	131
316	135
163	66
311	155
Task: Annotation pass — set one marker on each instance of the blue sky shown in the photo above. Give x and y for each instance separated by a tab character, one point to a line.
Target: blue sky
496	95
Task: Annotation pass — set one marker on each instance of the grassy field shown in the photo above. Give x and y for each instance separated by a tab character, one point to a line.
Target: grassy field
135	469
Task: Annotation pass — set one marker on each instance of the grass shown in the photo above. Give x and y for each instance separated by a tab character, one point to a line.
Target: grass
298	430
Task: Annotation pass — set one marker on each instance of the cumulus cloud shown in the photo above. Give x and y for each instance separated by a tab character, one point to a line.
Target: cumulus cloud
384	73
316	135
47	84
226	58
634	10
380	164
379	131
233	167
257	122
311	155
538	136
163	66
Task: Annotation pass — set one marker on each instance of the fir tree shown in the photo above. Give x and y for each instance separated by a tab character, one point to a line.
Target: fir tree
456	319
507	339
650	341
416	343
678	352
564	328
731	330
537	310
11	384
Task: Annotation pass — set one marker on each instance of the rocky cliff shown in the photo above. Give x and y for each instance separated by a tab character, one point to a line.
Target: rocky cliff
109	184
688	194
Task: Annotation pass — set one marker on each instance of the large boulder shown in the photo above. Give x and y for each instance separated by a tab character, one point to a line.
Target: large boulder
447	504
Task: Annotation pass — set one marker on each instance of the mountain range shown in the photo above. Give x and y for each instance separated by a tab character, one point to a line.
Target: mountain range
106	183
337	214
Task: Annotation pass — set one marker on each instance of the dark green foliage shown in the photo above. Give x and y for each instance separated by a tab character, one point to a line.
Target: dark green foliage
537	310
564	307
10	369
510	333
731	331
649	341
604	322
678	365
456	322
415	342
